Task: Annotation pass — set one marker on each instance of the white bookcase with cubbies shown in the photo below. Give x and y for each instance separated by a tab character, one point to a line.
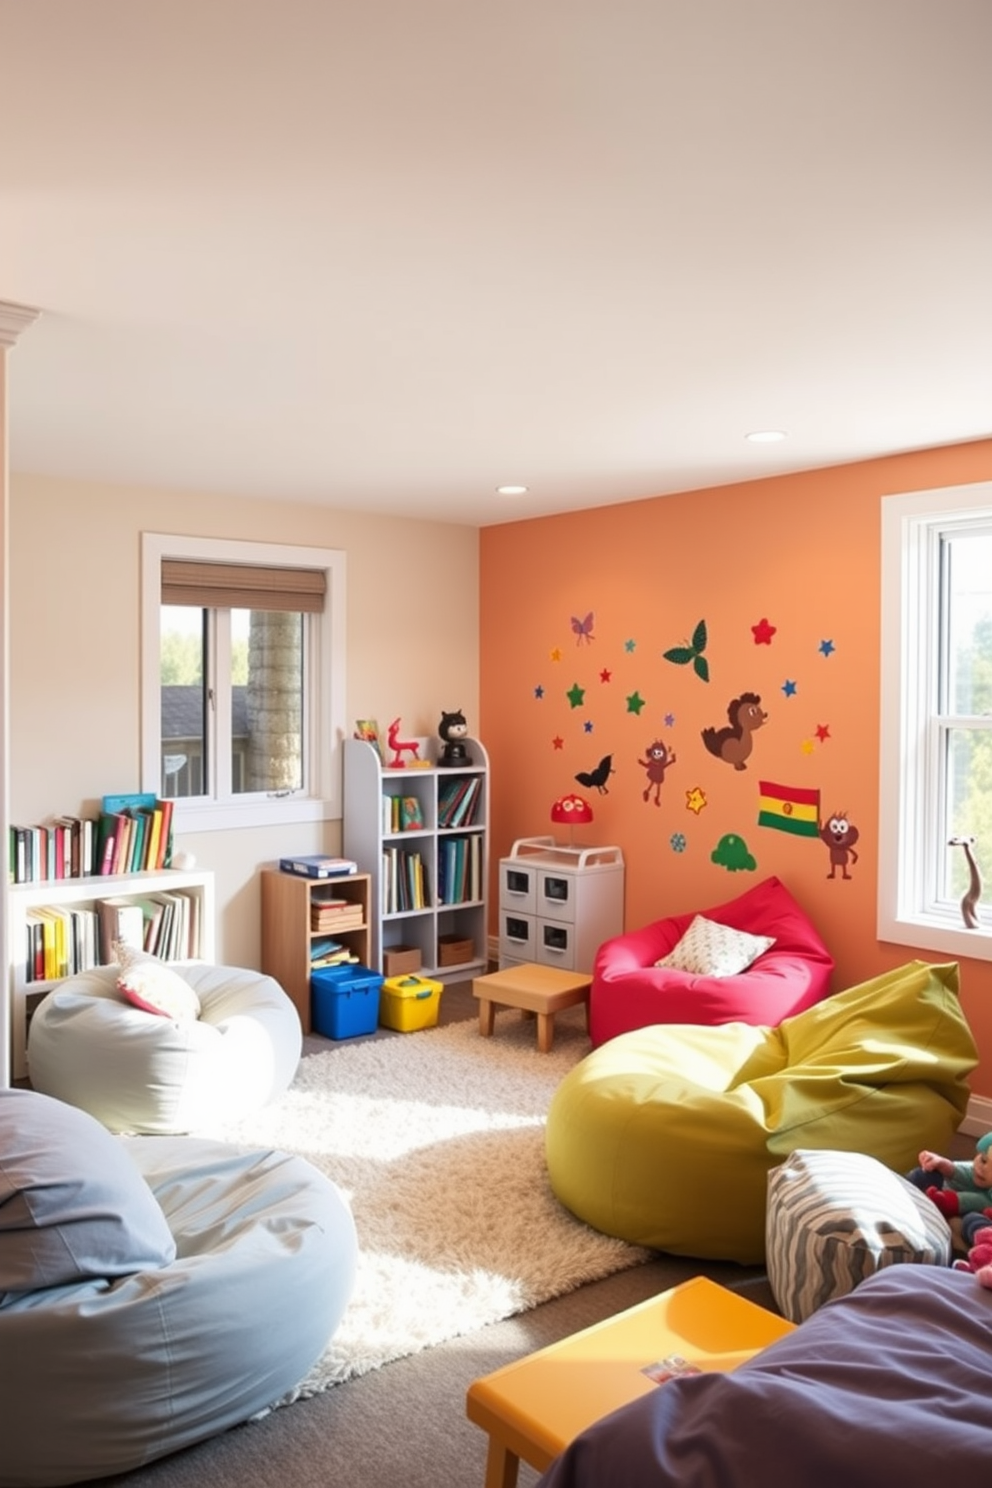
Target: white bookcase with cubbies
70	908
422	836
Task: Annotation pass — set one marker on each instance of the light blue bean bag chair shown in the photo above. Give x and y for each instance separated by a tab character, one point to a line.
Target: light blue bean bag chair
153	1290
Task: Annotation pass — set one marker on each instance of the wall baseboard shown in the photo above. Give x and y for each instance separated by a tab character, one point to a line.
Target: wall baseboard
978	1117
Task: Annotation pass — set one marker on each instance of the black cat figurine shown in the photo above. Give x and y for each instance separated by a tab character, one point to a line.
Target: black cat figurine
453	730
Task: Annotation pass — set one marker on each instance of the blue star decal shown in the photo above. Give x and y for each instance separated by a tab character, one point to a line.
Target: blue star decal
629	645
826	647
789	688
587	727
539	692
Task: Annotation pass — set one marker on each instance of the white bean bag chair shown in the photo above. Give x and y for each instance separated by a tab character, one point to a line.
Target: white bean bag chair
151	1073
153	1290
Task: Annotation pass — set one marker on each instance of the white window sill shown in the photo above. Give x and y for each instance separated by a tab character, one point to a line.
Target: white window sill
283	811
936	934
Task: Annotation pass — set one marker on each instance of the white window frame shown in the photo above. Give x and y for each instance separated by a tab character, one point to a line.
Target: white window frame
324	682
908	806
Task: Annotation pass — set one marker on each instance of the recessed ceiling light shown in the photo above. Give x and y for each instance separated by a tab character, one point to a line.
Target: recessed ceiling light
766	436
511	490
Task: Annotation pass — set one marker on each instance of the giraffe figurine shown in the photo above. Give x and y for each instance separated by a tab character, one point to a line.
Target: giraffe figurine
969	904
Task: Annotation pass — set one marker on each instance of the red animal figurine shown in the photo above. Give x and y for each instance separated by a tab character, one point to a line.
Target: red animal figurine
400	746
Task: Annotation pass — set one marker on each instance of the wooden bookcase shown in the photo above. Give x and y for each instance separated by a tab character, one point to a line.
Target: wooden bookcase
287	902
85	893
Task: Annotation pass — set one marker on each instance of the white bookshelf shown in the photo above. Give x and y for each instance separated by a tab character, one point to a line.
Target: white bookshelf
66	893
368	839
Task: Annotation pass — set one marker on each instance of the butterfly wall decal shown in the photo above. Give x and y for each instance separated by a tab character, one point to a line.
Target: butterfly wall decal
583	629
692	652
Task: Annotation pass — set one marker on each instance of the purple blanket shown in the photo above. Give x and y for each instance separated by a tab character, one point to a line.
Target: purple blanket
889	1385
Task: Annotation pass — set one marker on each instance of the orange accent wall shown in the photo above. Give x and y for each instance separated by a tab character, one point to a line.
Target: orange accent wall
559	692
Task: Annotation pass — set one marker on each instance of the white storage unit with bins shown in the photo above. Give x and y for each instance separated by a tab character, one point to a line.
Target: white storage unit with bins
558	904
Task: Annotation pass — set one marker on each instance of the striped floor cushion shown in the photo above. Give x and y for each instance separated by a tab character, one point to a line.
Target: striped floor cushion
833	1218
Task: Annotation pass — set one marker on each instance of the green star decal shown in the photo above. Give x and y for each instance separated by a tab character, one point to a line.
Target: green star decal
576	695
635	703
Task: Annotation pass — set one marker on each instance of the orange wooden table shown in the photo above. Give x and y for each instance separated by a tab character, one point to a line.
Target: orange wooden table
532	1409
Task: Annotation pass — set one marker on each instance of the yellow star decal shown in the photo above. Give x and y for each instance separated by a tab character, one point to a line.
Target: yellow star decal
555	653
695	800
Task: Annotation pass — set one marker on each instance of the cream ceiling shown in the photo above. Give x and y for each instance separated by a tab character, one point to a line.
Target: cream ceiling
391	254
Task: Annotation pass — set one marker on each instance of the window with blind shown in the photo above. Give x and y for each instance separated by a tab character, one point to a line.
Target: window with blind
243	651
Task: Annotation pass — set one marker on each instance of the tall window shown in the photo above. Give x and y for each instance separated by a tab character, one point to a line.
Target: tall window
243	694
936	746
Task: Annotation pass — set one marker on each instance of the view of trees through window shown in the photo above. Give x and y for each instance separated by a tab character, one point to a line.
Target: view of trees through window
966	703
250	711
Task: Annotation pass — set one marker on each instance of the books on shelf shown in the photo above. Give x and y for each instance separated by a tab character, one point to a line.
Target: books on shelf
411	814
318	865
327	952
459	870
119	919
404	880
458	801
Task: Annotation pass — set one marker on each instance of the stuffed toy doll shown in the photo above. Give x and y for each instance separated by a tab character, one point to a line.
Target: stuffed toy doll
959	1189
979	1258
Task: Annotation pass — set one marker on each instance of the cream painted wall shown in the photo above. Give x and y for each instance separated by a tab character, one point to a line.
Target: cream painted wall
413	648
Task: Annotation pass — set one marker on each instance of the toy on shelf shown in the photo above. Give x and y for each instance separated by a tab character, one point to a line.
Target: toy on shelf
401	746
453	730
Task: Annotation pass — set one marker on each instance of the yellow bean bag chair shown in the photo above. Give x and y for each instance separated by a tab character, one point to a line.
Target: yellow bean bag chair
665	1136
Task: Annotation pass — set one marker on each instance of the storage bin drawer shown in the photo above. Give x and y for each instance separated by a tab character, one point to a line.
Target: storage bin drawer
517	887
556	895
517	936
555	944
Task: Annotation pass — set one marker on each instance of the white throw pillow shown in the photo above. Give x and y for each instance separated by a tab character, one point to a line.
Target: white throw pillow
154	987
710	949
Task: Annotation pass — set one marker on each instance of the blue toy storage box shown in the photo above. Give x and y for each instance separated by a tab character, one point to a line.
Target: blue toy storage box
344	1000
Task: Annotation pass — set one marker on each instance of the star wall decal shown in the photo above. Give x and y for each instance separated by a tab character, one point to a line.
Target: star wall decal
629	645
807	746
763	632
822	731
558	741
669	720
555	653
606	675
826	648
635	703
539	692
789	687
588	726
695	800
576	695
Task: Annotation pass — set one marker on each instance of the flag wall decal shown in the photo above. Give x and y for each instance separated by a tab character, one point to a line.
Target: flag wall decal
789	808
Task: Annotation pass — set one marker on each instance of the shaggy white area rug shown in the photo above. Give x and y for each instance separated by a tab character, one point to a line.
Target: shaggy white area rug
437	1140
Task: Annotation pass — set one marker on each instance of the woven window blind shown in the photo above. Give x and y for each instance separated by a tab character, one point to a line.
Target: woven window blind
243	586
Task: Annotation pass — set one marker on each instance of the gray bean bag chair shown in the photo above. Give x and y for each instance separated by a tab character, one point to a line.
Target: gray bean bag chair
153	1290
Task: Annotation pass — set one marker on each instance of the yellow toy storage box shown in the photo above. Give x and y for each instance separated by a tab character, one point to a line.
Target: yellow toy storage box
409	1002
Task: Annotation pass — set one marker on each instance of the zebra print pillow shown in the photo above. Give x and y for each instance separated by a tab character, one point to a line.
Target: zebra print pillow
833	1218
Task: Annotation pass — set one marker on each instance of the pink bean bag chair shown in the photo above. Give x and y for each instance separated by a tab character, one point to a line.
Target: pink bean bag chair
630	991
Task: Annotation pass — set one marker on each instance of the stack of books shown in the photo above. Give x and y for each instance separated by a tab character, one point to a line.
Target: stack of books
327	952
331	916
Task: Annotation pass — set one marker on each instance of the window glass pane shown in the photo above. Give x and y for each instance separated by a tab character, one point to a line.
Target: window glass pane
266	701
967	657
968	617
182	673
